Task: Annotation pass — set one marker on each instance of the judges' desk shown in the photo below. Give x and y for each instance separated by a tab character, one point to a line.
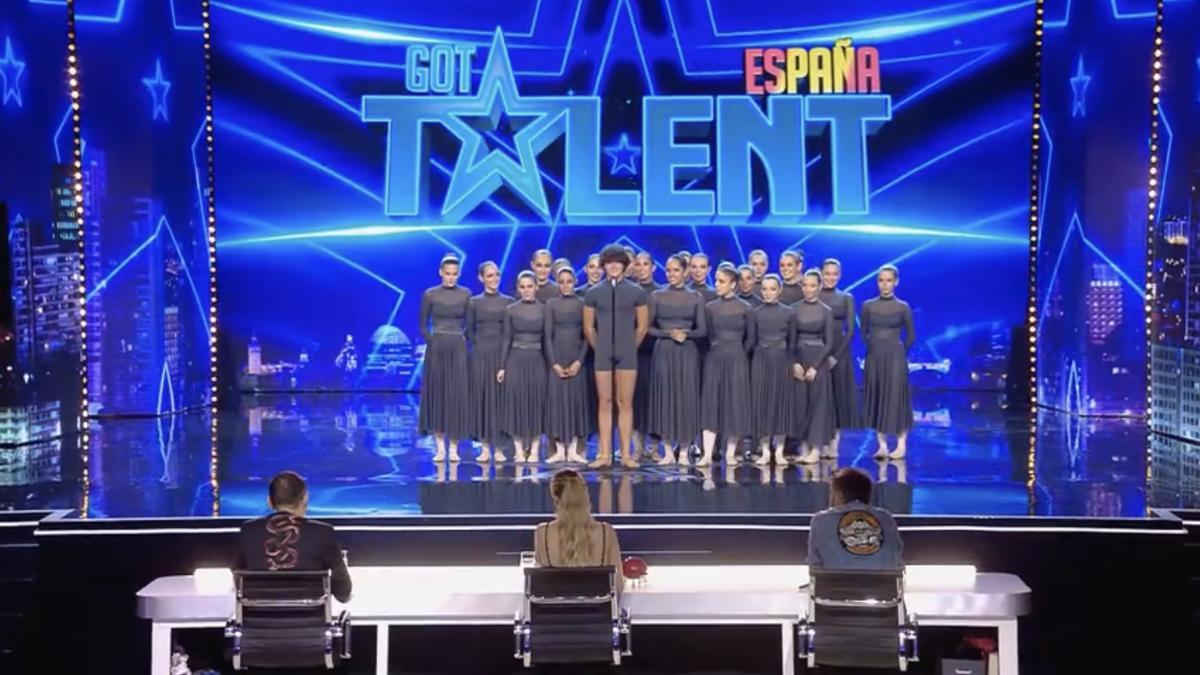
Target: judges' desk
670	595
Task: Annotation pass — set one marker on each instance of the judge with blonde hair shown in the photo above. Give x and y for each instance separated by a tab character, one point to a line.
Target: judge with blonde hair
574	538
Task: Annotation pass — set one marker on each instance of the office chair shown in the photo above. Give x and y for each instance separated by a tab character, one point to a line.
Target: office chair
571	615
285	620
857	619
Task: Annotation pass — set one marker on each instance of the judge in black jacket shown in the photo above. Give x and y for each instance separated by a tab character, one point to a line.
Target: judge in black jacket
286	540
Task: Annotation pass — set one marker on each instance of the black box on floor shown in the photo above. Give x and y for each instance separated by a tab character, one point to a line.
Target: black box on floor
963	667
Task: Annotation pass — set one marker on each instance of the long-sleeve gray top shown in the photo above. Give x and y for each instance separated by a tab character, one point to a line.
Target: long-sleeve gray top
790	294
707	292
524	327
773	325
485	316
842	306
813	336
729	323
672	308
547	291
564	330
884	318
750	298
444	310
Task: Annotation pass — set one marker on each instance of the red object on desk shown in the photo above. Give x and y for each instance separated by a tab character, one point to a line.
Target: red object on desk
634	568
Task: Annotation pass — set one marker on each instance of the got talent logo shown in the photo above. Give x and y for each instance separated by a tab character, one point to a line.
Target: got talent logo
806	91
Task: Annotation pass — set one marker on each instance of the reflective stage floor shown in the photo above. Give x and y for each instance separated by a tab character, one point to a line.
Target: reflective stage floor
361	455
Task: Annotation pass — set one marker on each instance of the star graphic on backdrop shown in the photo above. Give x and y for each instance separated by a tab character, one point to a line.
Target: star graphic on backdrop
158	90
10	74
624	157
1079	85
479	171
499	132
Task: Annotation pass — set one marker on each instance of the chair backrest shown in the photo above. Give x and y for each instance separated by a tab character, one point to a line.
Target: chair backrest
284	618
858	616
571	613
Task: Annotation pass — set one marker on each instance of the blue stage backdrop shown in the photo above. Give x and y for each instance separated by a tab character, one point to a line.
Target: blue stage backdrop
144	189
1175	360
1095	166
357	143
39	252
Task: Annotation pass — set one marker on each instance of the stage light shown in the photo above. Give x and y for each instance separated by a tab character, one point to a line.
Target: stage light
205	9
1151	289
73	83
1034	194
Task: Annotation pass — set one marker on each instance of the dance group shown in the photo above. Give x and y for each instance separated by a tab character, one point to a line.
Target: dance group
755	356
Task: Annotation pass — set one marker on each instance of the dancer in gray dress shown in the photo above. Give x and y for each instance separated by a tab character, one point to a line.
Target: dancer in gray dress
485	332
568	405
725	395
444	413
749	289
887	397
841	360
758	261
677	320
593	275
698	266
541	264
811	345
643	443
524	374
773	390
791	268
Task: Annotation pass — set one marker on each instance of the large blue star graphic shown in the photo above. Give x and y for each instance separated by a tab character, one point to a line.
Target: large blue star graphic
158	91
499	132
1079	85
10	74
624	157
479	171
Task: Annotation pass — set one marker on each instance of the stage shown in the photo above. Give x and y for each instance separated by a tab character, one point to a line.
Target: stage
1071	508
362	456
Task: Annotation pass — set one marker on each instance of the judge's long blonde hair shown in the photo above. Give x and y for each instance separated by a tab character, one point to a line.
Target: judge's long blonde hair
573	513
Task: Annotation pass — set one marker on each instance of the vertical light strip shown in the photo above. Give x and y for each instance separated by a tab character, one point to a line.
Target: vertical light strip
1035	206
73	79
206	17
1154	194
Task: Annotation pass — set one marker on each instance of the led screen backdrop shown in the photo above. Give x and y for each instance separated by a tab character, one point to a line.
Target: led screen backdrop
144	191
359	142
1095	165
39	250
1175	406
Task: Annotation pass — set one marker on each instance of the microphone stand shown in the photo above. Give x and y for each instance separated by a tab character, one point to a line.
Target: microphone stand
616	409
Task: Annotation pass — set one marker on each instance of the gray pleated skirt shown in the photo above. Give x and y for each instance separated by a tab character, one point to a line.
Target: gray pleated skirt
674	413
641	392
444	406
816	423
772	392
524	394
845	394
485	392
569	409
725	395
887	396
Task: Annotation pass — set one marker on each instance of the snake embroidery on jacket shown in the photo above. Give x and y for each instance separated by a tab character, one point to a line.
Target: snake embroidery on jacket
279	547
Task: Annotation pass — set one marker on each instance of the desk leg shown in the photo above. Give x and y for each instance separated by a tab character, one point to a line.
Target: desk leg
160	649
1007	634
381	649
787	635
